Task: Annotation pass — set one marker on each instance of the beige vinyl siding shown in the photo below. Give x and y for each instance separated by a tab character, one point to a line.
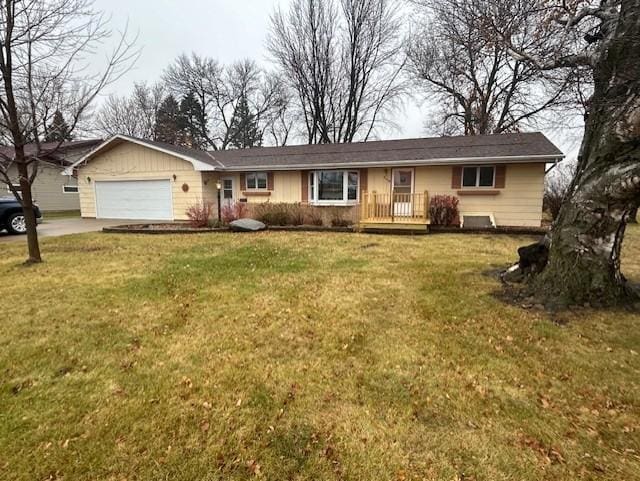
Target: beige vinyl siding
47	189
518	204
129	161
286	188
379	180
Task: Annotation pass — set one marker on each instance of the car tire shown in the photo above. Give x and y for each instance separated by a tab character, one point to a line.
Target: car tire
16	224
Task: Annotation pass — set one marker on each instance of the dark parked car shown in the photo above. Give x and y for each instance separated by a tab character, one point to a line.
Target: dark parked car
12	217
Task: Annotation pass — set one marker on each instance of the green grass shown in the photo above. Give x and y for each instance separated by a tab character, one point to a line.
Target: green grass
305	356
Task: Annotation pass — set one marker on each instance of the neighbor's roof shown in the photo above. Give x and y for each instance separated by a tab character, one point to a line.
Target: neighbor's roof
51	151
518	147
499	148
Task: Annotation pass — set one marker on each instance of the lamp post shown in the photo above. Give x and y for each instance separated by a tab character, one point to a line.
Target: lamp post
219	187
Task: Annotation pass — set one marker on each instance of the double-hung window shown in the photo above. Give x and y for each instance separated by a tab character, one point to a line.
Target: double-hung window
256	180
480	176
332	187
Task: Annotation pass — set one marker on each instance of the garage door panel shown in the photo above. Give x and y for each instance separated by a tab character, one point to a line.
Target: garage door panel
136	199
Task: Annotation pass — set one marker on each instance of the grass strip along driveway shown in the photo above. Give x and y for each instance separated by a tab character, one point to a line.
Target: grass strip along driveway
305	356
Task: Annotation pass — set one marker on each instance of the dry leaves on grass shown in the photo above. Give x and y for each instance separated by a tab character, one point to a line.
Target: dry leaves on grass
547	454
254	467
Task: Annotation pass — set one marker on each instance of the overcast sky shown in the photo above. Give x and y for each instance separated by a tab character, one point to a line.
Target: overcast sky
228	30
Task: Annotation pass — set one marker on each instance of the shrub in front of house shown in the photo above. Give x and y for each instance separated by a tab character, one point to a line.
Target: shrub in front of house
296	214
199	214
338	217
235	211
279	213
313	216
443	210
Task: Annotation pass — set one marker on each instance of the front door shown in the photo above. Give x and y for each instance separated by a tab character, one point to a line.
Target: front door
402	191
227	191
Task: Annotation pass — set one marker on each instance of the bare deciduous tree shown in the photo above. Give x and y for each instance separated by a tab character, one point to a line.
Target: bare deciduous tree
200	76
134	115
219	89
279	119
586	239
556	187
44	51
343	61
478	86
282	120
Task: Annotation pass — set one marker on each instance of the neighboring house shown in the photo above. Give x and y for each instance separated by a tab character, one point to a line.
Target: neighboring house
52	190
497	177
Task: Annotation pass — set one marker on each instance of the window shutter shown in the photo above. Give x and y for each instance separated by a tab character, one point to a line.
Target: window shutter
243	181
269	180
501	176
364	181
304	186
456	177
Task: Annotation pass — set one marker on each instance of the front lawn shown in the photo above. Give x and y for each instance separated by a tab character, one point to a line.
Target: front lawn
305	356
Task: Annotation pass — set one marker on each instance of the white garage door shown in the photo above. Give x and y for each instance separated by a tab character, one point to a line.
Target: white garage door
134	199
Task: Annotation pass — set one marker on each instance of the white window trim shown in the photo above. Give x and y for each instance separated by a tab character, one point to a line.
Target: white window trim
478	186
313	188
256	174
233	190
64	191
413	178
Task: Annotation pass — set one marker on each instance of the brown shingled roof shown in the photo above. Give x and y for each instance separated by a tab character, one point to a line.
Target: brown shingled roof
438	150
51	151
517	147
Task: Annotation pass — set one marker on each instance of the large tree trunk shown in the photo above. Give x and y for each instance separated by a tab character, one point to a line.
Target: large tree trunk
29	215
584	257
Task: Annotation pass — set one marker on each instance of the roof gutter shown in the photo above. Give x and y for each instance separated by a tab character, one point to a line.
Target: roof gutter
386	163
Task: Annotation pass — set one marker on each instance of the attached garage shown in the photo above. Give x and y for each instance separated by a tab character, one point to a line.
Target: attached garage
134	199
133	179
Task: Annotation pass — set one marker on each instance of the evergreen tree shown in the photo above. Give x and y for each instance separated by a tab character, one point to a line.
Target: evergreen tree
244	131
169	122
58	130
193	122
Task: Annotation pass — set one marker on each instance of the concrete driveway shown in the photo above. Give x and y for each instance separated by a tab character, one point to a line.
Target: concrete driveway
75	225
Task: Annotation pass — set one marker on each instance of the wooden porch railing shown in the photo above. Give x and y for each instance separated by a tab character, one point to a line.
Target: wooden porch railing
394	207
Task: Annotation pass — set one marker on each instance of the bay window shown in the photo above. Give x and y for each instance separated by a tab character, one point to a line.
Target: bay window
333	187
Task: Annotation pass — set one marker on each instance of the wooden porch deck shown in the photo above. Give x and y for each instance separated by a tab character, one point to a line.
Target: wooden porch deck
394	211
